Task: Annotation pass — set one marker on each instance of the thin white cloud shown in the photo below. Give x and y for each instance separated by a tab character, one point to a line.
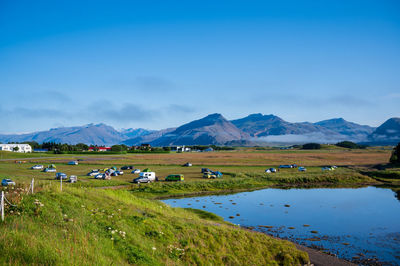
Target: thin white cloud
316	137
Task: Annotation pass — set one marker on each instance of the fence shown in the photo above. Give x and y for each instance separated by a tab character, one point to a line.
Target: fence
4	199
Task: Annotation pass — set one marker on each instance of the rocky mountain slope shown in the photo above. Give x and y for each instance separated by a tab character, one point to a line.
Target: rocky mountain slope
387	133
212	129
215	129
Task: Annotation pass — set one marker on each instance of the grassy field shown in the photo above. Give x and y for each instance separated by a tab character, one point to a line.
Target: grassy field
79	222
104	227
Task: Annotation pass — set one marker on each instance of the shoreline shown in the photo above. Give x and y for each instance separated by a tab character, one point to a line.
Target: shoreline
316	257
276	186
319	258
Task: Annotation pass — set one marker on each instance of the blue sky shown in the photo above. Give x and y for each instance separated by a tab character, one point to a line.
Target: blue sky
158	64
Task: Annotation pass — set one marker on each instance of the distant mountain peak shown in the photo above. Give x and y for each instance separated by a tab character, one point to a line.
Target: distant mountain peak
212	129
333	120
214	116
256	115
388	132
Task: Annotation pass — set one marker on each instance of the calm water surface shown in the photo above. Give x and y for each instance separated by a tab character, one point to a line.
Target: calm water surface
356	224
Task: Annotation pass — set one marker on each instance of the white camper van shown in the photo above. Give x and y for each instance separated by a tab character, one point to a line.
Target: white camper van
145	177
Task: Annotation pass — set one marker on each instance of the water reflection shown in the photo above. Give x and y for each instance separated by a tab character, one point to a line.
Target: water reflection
356	224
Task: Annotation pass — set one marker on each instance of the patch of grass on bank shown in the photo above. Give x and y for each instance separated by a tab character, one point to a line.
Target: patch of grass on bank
340	176
98	227
232	182
387	174
166	189
18	155
389	178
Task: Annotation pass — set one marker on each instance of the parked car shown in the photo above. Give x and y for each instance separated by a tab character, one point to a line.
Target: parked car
328	168
37	167
145	177
93	172
302	169
7	182
187	164
285	166
61	176
174	178
50	170
73	163
293	165
127	167
100	176
136	171
73	179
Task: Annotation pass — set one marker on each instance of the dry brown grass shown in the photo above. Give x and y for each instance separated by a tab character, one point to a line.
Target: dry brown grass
243	158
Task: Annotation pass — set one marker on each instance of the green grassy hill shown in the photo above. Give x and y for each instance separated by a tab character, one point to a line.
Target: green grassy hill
87	226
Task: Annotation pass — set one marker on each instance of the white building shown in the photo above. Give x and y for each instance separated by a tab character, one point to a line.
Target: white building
16	147
180	148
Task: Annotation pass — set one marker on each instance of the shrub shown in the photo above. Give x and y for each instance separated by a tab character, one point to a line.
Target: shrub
311	146
350	145
395	158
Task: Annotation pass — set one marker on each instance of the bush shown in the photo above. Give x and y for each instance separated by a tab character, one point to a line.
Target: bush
350	145
311	146
395	158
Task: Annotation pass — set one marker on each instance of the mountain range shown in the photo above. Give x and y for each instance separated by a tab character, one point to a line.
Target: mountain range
255	129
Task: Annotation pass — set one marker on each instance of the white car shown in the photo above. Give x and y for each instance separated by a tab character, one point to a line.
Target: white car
302	169
136	171
7	182
73	178
37	167
93	173
100	176
50	170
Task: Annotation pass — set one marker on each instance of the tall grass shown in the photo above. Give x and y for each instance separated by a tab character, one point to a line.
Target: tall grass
96	227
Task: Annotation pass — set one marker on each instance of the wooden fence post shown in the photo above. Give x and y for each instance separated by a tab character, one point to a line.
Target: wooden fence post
2	205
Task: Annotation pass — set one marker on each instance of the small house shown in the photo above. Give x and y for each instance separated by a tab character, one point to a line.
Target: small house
24	148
